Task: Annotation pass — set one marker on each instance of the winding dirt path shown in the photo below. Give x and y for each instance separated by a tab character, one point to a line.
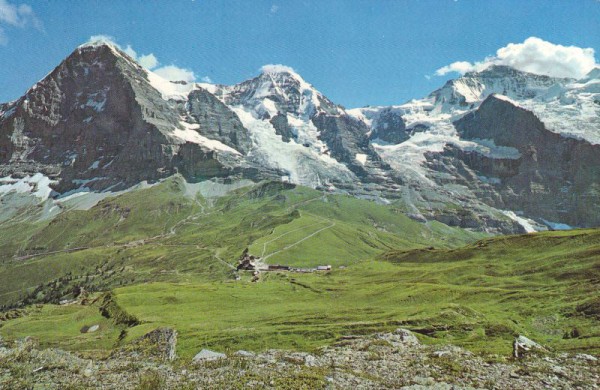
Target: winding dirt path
299	241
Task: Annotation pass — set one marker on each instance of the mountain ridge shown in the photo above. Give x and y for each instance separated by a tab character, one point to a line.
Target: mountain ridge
278	126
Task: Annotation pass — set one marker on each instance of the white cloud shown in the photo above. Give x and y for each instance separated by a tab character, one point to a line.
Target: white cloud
19	16
274	8
206	79
276	68
149	61
174	73
534	55
461	67
128	50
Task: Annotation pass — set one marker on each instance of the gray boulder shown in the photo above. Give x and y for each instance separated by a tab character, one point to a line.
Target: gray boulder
400	337
207	355
406	336
242	353
93	328
160	343
522	345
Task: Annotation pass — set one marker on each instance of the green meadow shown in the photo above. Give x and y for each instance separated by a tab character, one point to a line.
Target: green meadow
166	258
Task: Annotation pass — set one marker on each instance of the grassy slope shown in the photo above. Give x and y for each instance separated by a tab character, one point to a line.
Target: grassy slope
349	230
478	296
171	252
163	234
54	324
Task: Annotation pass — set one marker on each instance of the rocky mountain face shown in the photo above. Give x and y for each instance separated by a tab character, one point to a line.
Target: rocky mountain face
282	102
556	178
525	145
216	121
390	127
474	86
498	150
97	120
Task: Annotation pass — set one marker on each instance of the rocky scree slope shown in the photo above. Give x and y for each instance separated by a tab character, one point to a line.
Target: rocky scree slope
379	361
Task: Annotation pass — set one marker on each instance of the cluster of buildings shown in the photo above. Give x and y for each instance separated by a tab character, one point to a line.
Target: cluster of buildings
249	262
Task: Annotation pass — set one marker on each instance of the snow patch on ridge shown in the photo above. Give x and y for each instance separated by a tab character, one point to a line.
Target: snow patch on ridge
37	185
168	89
361	158
308	166
97	41
506	99
488	148
526	223
97	101
470	90
278	75
212	88
9	111
190	134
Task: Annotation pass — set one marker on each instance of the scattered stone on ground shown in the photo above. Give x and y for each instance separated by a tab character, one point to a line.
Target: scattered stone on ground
160	343
93	328
380	361
243	353
522	345
206	355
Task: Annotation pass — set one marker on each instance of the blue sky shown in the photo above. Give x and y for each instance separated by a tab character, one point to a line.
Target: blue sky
355	52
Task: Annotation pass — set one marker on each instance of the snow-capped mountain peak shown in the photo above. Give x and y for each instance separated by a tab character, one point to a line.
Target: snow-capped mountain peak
100	120
593	74
98	41
280	69
278	89
474	87
101	50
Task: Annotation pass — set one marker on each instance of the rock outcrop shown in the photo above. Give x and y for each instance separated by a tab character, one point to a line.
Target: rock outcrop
206	355
159	343
390	127
216	121
384	360
556	178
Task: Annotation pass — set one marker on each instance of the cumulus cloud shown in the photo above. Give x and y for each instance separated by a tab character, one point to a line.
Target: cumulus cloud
461	67
16	16
174	73
276	68
534	55
101	38
149	61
